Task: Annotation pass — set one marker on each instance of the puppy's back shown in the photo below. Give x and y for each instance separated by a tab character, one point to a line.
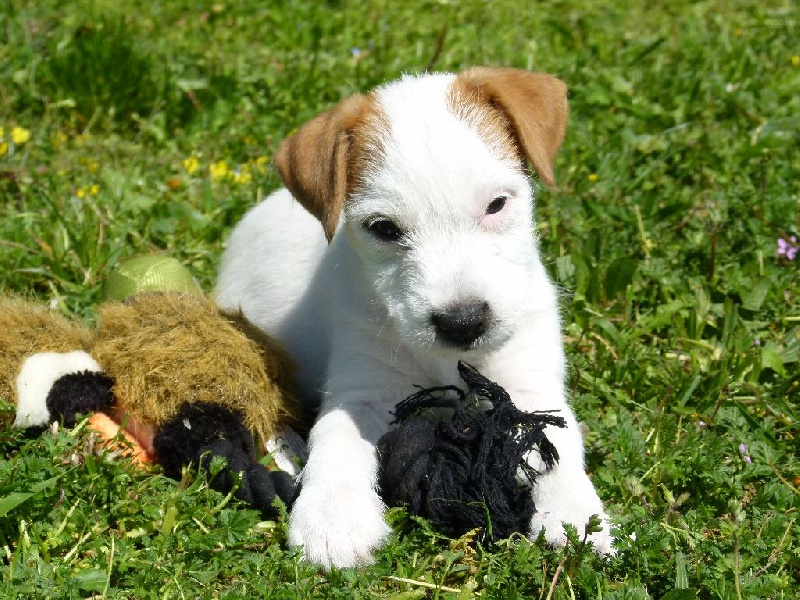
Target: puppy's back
267	274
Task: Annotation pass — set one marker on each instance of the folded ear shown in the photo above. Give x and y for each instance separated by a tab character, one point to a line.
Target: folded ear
535	105
314	161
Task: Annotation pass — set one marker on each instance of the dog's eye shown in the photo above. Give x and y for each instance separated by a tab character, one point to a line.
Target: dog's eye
384	229
496	205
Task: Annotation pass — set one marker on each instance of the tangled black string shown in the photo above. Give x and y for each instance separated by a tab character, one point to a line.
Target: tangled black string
467	471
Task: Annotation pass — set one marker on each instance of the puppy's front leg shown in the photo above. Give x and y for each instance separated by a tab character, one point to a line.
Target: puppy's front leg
565	494
338	517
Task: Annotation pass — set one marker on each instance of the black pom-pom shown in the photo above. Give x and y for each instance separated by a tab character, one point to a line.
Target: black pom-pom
197	426
201	431
79	393
463	472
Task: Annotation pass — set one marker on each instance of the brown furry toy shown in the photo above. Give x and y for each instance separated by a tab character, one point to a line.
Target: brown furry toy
184	383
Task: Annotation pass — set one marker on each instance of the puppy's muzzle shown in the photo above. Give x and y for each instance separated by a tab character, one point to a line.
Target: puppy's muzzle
461	325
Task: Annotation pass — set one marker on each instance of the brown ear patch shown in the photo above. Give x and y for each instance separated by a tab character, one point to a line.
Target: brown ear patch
532	106
466	102
325	159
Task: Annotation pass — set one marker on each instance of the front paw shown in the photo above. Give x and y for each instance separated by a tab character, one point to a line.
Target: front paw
337	526
552	524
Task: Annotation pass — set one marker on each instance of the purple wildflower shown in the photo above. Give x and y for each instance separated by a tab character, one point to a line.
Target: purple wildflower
355	52
743	451
788	248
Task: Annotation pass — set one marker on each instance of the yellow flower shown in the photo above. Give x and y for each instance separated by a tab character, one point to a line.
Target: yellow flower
80	193
795	62
592	177
191	164
20	135
94	189
242	175
261	164
218	170
3	148
59	139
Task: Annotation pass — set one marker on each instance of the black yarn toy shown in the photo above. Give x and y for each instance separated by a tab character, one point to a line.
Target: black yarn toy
467	471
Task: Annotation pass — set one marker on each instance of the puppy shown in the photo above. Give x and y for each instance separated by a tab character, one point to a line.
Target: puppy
426	255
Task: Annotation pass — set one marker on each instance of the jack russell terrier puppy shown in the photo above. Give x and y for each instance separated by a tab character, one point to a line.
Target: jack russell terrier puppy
427	255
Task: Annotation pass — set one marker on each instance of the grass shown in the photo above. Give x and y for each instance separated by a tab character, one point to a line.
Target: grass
150	127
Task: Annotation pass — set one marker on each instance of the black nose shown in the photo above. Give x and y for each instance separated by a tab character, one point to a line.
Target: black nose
461	325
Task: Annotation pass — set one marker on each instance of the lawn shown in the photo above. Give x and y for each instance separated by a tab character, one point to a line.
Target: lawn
148	127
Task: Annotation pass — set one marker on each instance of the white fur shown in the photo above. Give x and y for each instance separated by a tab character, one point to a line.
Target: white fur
356	315
36	377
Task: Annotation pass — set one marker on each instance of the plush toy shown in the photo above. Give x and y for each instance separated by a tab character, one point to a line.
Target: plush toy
466	470
186	382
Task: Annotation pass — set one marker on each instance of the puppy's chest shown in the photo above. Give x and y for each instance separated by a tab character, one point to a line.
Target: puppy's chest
439	374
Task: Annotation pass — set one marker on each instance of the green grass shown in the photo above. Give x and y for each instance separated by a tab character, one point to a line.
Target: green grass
151	128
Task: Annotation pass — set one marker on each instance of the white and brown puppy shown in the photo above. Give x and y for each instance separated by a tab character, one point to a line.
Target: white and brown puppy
427	255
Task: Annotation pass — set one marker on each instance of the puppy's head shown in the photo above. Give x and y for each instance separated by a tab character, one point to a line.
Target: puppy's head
426	178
